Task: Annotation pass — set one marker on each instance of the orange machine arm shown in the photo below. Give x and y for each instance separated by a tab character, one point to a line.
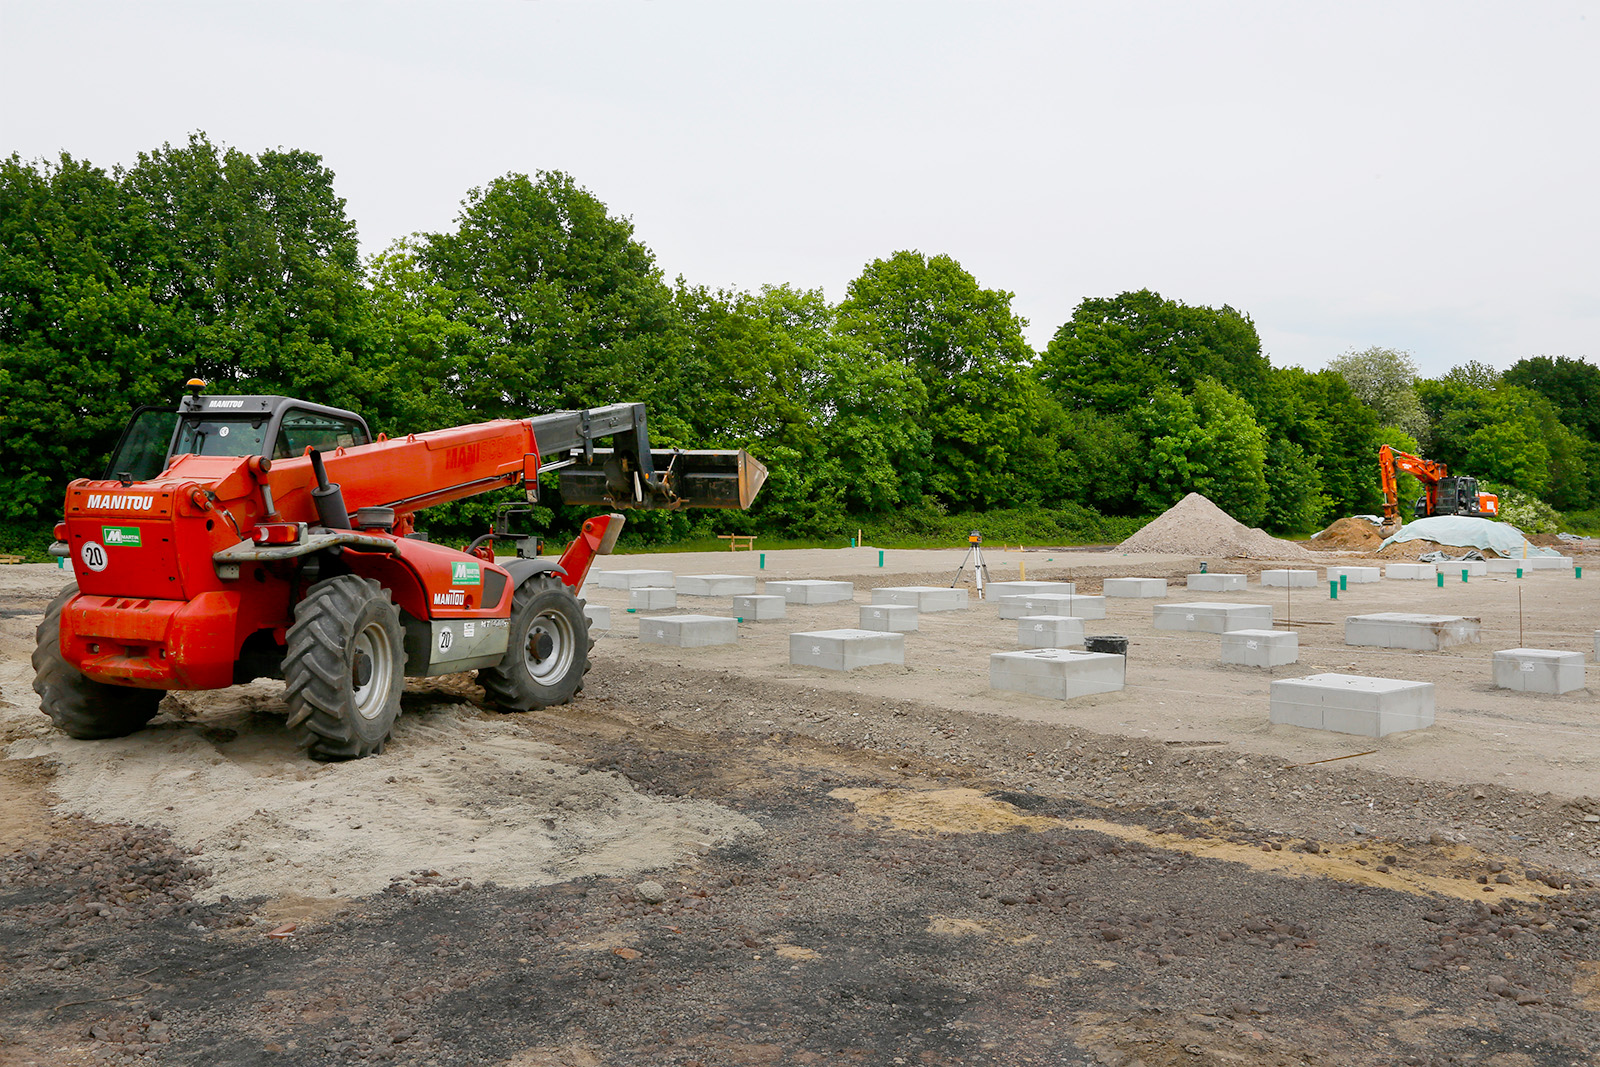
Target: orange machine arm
1427	471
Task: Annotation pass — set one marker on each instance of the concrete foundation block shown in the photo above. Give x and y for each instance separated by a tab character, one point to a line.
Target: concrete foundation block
1352	704
1538	670
843	650
996	590
757	608
1261	648
1210	618
1452	569
1422	572
1548	563
812	591
717	585
1135	587
1502	566
1217	583
689	631
1355	575
632	579
889	618
1049	631
1057	673
1291	579
649	598
925	598
599	616
1078	607
1399	629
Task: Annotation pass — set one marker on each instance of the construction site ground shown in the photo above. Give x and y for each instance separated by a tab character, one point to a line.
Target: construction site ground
713	857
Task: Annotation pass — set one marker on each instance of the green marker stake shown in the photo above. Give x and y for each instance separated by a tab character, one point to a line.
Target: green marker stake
1333	589
1464	573
763	561
1441	580
1519	572
1577	572
1342	579
880	557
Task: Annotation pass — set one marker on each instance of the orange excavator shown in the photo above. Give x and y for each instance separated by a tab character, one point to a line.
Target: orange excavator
1443	494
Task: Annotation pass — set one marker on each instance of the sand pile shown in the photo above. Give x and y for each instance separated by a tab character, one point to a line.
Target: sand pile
1196	526
1347	535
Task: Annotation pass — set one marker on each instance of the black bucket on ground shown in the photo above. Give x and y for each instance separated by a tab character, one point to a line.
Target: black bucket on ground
1117	646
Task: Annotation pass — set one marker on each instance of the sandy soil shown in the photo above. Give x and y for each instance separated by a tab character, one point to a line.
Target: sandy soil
890	865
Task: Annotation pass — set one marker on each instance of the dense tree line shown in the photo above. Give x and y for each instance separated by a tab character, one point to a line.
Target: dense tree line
915	396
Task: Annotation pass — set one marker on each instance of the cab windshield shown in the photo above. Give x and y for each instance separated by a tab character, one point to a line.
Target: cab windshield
214	436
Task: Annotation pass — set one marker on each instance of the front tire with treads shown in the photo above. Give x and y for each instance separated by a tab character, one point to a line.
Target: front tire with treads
80	706
344	668
548	653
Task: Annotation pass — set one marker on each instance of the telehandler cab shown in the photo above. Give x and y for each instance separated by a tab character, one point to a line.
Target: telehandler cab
261	536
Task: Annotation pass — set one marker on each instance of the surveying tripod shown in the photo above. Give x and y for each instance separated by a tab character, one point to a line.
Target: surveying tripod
974	556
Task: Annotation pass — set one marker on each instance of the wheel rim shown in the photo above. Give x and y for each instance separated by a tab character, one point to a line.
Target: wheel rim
554	628
373	644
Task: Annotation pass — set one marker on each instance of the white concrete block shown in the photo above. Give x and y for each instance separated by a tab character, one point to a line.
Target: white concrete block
717	585
1078	607
996	590
1217	583
689	631
1135	587
1057	673
632	579
843	650
757	608
599	616
1538	670
890	618
1291	579
1261	648
1352	704
1400	629
1355	575
1452	569
1049	631
925	598
812	591
649	598
1502	566
1422	572
1548	563
1212	618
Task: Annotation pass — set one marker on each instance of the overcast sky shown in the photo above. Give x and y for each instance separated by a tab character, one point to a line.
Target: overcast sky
1415	175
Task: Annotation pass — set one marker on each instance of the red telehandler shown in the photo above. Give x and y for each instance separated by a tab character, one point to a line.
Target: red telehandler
1441	493
261	536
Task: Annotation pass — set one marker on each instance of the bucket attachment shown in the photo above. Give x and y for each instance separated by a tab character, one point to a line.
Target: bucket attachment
686	478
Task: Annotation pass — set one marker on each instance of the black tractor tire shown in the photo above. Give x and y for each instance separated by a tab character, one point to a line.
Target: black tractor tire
344	668
548	653
80	706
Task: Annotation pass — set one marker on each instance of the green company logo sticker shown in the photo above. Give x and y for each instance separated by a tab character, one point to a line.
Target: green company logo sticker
125	536
465	574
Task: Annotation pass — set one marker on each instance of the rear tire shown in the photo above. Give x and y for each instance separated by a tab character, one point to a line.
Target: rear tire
548	653
344	668
80	706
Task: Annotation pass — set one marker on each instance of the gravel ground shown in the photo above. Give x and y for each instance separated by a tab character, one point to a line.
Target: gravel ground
929	881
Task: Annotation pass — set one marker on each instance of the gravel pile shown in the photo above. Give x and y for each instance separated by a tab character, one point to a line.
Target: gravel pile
1196	526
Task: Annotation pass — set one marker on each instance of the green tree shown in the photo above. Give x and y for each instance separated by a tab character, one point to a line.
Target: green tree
1115	353
1572	385
1207	443
561	306
259	267
965	345
1385	380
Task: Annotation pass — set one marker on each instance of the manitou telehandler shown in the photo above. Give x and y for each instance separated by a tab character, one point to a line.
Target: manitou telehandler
1441	493
241	537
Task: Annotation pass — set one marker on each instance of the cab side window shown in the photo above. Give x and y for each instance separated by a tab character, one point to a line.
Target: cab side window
301	429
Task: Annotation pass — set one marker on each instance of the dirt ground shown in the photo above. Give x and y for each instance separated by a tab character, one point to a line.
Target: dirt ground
713	857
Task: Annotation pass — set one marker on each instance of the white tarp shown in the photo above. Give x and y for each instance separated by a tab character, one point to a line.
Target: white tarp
1466	531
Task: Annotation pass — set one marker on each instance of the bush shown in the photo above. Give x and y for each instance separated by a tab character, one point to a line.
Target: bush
1581	522
1523	510
927	525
